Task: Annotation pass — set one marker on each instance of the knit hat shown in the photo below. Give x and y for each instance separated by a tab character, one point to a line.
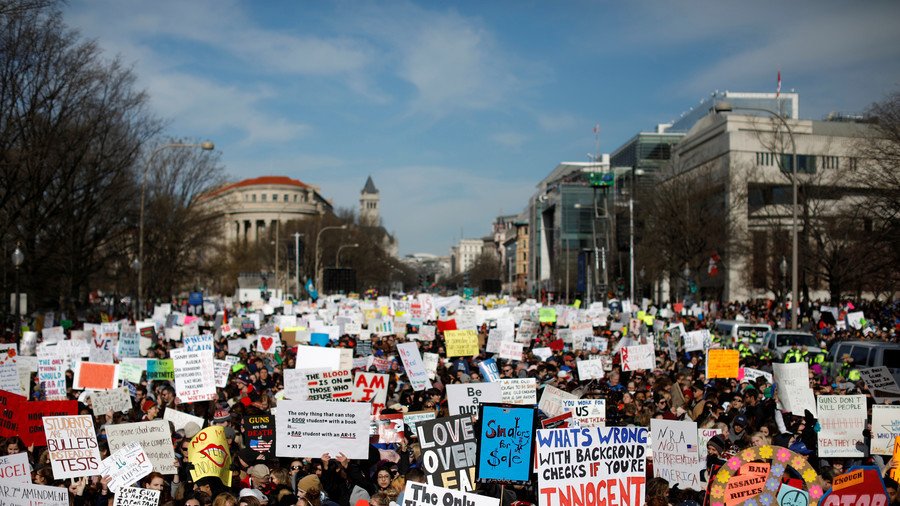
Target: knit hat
221	416
308	482
718	442
147	404
191	429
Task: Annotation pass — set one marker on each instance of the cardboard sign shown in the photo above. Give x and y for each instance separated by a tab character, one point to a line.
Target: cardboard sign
133	496
31	419
15	468
586	412
721	363
260	433
415	368
862	485
638	357
675	453
695	340
161	370
551	400
72	445
505	437
370	387
329	386
154	437
518	391
115	400
879	378
510	350
587	466
210	454
448	451
421	494
793	387
461	343
196	378
842	419
52	375
885	428
95	376
180	419
311	428
590	369
125	466
463	399
22	494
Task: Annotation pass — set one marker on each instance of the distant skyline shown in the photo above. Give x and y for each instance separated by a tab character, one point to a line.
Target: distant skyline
458	109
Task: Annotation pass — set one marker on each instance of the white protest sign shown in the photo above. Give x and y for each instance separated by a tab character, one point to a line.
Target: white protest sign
638	357
431	362
551	400
329	386
180	419
885	428
236	345
221	369
295	385
675	454
72	444
415	368
703	437
196	378
590	369
125	466
267	344
202	342
793	387
370	387
586	412
510	350
879	378
842	419
319	358
695	340
422	494
154	437
22	494
311	428
104	401
518	390
9	372
463	399
15	468
750	374
52	375
133	496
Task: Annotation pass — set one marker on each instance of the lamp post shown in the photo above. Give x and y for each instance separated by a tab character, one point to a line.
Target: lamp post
318	248
687	281
206	146
727	107
337	257
783	268
18	258
641	282
297	236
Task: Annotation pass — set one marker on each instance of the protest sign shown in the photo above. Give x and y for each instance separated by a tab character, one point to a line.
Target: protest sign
132	369
793	387
842	419
413	418
133	496
115	400
125	466
695	340
267	344
390	428
101	350
196	380
489	370
260	433
318	358
547	315
95	376
590	369
26	494
9	373
703	437
431	362
638	357
72	446
721	363
415	368
52	375
551	400
210	455
751	374
200	342
30	419
747	483
879	378
129	345
461	343
885	428
586	412
510	350
155	437
527	332
505	435
861	486
180	419
9	413
518	391
591	466
15	468
221	370
463	399
675	454
329	386
161	370
448	452
370	387
421	494
311	428
236	345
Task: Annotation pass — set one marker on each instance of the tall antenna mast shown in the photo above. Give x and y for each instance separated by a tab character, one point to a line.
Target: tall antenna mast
596	142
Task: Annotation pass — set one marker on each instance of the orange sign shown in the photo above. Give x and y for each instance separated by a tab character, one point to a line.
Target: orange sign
96	376
722	363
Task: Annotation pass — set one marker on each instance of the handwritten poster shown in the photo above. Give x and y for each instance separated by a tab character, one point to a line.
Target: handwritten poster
722	363
885	428
133	496
125	466
26	494
461	343
793	387
210	454
15	468
448	451
676	454
463	399
415	368
196	379
638	357
115	400
842	419
72	445
586	412
505	434
329	386
421	494
154	437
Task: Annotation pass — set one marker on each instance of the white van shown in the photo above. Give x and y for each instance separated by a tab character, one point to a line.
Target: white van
737	331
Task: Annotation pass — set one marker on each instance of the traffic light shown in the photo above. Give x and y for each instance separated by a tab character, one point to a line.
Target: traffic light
602	179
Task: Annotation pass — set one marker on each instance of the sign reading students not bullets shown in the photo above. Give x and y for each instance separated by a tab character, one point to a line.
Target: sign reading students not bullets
587	465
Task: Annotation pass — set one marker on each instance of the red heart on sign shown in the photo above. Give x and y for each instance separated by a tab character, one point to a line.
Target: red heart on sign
266	342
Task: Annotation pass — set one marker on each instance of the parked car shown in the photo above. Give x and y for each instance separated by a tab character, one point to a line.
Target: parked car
780	341
733	332
865	354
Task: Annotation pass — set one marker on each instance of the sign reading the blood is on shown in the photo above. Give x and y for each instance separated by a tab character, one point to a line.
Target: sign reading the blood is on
330	386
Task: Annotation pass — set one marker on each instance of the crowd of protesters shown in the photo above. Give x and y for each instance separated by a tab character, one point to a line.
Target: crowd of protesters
745	412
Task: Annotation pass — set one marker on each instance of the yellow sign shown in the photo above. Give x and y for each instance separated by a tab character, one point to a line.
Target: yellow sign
461	343
209	453
722	363
895	472
847	480
547	315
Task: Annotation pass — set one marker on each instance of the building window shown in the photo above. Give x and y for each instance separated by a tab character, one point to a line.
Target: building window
853	163
285	197
830	162
246	198
263	197
254	197
295	198
806	164
274	197
760	253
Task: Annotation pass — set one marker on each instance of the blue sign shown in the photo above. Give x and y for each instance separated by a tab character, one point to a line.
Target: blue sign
318	339
311	290
489	369
195	299
505	443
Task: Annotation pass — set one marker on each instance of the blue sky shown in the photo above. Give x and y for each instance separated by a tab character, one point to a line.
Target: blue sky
458	109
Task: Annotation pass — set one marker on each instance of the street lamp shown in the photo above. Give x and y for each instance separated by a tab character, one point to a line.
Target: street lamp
318	248
337	257
783	267
727	107
687	281
18	258
206	146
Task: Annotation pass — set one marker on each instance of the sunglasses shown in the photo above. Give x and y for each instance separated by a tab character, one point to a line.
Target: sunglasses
295	468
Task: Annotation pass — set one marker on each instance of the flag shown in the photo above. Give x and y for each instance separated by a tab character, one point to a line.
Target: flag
778	89
596	128
713	269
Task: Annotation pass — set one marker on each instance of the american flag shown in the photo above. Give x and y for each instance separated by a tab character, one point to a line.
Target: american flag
778	89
